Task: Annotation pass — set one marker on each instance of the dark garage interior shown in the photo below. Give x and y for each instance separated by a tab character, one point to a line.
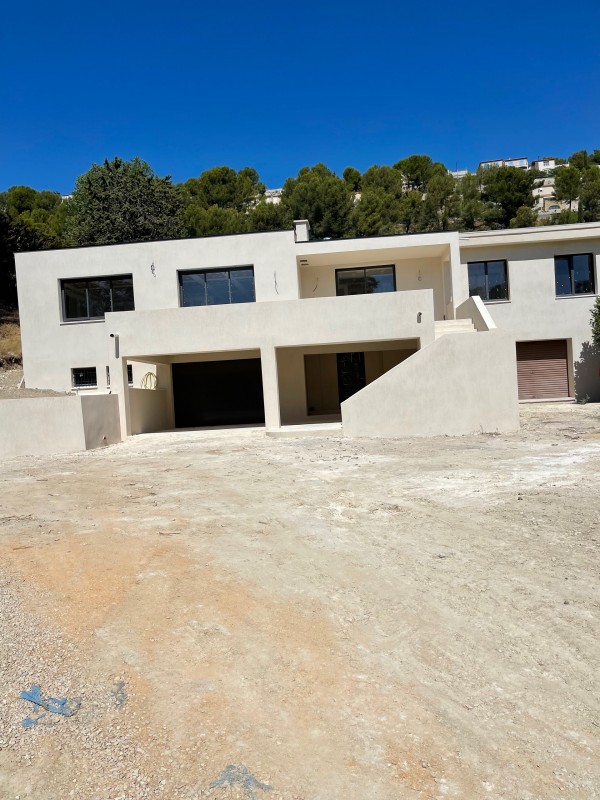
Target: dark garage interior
218	393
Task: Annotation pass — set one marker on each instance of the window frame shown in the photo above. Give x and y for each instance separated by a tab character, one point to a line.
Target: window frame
205	271
572	293
360	266
87	280
487	287
129	376
75	385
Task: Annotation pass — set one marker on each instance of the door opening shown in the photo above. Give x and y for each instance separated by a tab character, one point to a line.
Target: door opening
351	374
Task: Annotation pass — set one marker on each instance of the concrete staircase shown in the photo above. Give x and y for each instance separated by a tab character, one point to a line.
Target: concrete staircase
454	326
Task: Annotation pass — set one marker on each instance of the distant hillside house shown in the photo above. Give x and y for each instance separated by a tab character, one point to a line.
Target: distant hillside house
519	163
544	164
458	174
273	196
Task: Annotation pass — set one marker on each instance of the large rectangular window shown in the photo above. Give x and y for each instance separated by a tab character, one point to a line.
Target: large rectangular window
488	280
574	274
365	280
214	287
91	298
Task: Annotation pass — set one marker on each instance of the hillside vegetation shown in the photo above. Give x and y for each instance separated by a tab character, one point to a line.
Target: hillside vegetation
10	339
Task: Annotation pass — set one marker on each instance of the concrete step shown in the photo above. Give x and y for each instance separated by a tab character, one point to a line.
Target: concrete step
443	327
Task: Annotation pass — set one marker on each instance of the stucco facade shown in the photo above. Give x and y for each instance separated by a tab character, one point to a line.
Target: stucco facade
300	334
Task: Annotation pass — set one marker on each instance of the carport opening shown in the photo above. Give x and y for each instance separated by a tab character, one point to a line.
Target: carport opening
332	378
314	381
215	393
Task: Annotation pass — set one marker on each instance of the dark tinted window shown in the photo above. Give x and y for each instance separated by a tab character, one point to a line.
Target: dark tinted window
365	280
242	285
574	274
93	297
562	276
84	377
122	294
488	280
214	287
74	299
193	288
477	281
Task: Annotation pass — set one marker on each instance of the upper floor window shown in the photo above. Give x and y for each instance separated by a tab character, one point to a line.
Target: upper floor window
574	274
489	280
365	280
211	287
91	298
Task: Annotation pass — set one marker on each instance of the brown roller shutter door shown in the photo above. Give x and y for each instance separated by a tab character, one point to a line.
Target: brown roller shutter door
542	370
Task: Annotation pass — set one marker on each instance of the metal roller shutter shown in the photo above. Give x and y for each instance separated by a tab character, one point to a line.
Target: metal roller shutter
542	370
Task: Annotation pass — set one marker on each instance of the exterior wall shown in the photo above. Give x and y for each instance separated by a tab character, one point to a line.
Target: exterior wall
457	385
322	395
41	426
519	163
100	413
544	164
297	310
150	410
52	347
164	335
421	260
475	309
292	385
413	274
47	425
326	320
534	312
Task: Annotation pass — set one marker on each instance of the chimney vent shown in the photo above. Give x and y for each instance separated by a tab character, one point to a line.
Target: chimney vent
301	230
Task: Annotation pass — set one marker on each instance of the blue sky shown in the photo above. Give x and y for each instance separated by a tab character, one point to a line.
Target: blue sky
277	85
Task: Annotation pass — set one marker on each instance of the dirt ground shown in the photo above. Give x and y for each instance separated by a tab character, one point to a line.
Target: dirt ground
310	619
10	380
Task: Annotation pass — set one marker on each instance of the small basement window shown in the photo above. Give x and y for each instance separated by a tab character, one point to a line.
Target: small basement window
84	378
129	375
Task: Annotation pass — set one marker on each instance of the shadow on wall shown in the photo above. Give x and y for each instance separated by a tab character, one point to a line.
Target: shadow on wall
586	374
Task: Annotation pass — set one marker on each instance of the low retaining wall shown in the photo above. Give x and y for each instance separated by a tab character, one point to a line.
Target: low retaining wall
461	383
47	425
149	410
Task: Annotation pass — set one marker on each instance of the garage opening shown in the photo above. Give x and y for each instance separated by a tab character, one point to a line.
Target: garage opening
209	393
542	370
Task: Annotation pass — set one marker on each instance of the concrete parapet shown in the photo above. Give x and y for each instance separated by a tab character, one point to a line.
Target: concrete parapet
54	425
457	385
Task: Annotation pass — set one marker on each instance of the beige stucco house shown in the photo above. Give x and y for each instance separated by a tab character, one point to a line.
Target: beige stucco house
426	334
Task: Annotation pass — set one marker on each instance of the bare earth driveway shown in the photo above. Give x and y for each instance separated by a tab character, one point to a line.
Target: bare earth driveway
306	618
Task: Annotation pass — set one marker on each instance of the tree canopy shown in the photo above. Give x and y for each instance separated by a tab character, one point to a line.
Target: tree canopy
509	189
124	201
225	188
317	194
567	184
